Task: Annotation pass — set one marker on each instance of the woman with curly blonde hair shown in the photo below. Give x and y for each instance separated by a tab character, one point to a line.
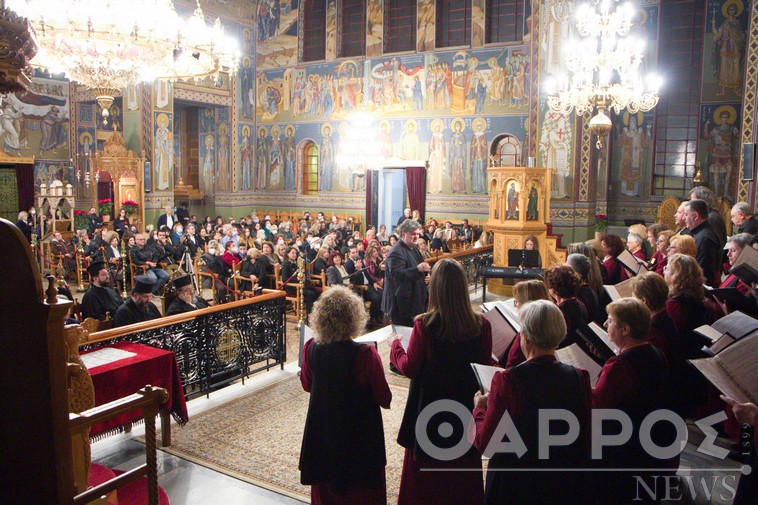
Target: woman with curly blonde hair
342	456
686	303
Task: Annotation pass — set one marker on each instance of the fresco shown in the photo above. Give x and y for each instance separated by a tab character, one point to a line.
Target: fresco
632	154
163	156
719	147
556	151
457	150
724	50
488	81
36	122
48	171
276	31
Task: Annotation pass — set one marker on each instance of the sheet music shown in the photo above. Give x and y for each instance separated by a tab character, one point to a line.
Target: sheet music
740	361
620	290
574	355
716	375
746	265
736	324
405	334
630	262
104	356
709	332
375	336
603	335
485	374
308	334
503	332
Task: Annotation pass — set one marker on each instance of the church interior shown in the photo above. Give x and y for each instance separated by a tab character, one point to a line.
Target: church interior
496	122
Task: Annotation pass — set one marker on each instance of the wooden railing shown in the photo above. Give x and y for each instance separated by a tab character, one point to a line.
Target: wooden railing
216	345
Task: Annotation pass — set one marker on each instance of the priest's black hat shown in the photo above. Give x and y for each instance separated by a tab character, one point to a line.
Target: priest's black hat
95	267
181	281
143	284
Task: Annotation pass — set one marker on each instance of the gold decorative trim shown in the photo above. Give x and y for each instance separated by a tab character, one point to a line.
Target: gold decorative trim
585	152
749	98
534	100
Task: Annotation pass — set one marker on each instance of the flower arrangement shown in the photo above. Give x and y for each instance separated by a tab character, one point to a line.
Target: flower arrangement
601	223
81	219
105	206
130	206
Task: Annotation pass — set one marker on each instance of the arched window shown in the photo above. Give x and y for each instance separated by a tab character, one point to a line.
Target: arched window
353	28
453	27
314	30
505	21
309	160
399	25
507	151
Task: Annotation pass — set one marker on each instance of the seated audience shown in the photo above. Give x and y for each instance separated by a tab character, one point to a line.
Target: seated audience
100	301
343	456
421	244
523	391
290	280
231	256
485	239
438	243
186	299
336	274
444	342
138	307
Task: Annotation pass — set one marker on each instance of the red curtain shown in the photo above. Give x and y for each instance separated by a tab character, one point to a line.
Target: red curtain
25	183
415	178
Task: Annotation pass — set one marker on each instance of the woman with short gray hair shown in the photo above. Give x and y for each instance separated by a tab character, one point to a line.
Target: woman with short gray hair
523	392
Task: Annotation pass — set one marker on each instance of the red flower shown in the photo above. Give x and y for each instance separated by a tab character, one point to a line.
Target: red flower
104	201
130	203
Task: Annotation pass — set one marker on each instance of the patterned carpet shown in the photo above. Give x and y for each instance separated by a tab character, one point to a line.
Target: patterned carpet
257	438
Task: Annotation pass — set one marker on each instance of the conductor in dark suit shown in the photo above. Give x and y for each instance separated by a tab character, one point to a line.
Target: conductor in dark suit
405	281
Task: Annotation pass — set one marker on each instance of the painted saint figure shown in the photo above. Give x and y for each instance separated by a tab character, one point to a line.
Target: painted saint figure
730	40
275	155
164	153
478	158
209	175
634	145
511	211
437	158
458	157
326	159
224	177
722	146
289	157
409	143
246	153
261	162
532	209
555	150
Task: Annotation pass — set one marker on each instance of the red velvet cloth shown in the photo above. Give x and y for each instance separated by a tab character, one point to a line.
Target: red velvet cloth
152	366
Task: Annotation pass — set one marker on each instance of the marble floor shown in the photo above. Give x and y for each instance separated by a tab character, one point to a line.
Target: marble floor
187	483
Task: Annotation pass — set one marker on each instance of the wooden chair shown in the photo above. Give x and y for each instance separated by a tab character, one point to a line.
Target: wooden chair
200	274
319	281
298	292
135	270
455	244
238	278
92	325
666	211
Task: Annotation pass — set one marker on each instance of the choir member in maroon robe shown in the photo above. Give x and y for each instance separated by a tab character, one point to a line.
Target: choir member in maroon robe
687	304
635	246
612	246
660	256
342	456
652	290
633	382
445	340
735	245
539	383
523	293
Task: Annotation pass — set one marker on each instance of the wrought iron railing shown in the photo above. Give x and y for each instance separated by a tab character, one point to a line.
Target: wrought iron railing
216	345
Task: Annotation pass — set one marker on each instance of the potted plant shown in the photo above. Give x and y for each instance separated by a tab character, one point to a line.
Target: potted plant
105	206
601	224
81	219
130	206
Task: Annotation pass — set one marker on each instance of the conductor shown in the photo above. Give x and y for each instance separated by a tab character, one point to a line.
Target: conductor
407	275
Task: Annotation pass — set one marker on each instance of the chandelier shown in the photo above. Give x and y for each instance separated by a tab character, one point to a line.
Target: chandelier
105	45
603	67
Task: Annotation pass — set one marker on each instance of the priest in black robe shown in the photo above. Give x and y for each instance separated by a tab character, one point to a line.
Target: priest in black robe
186	299
138	307
100	301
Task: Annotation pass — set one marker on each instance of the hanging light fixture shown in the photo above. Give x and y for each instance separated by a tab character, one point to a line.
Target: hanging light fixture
108	44
603	67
